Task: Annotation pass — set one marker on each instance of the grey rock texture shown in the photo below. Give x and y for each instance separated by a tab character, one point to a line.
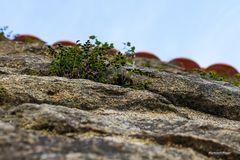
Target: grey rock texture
221	99
25	58
179	116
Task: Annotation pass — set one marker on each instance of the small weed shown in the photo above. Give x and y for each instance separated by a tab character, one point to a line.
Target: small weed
3	91
124	79
91	61
212	75
215	76
147	63
236	80
237	76
4	33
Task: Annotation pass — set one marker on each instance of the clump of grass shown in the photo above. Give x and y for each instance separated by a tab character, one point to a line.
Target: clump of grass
91	61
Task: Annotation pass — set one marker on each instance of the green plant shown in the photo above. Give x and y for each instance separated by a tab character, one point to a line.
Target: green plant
91	61
124	80
147	63
215	76
136	71
236	80
3	90
237	76
212	75
4	34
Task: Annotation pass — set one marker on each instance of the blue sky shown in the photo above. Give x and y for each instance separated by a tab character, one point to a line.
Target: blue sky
208	31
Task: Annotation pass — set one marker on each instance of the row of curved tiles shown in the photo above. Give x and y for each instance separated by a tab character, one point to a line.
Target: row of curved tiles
188	64
27	37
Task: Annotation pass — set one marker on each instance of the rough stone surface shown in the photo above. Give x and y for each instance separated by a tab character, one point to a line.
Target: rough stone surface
29	58
218	98
179	116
